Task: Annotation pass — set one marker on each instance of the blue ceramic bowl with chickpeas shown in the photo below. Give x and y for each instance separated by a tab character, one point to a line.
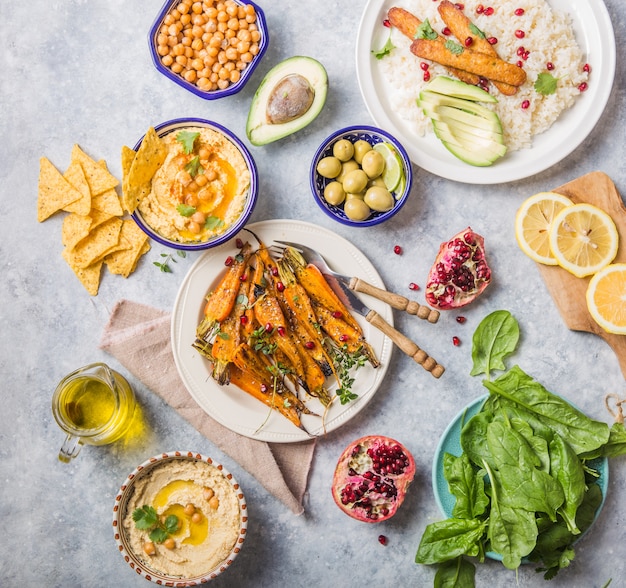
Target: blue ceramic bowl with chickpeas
210	51
237	177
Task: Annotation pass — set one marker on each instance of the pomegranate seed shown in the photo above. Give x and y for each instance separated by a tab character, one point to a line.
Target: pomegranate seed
281	331
446	31
386	23
274	270
382	540
480	9
456	341
525	104
459	6
549	66
238	243
426	76
280	286
413	286
582	87
268	327
309	344
460	319
468	41
526	55
519	11
243	319
492	40
520	64
243	277
397	250
424	66
228	261
489	11
520	34
343	337
520	51
586	68
337	314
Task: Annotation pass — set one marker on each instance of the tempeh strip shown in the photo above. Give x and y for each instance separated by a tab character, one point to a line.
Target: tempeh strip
487	66
461	28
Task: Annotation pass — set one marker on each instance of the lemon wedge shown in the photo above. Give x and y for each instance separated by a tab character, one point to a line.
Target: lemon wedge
532	224
606	298
393	173
583	239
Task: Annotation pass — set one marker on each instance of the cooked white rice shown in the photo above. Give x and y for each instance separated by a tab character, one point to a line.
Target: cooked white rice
549	37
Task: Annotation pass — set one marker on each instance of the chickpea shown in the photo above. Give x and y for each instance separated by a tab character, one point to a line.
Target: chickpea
196	517
201	180
208	493
169	543
191	200
189	509
149	548
214	503
198	217
194	227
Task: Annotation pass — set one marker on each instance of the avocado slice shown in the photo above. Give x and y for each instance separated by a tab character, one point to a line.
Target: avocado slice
458	89
469	148
290	96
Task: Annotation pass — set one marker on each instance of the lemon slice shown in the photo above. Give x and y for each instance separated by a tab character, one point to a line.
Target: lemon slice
606	298
393	172
533	221
583	239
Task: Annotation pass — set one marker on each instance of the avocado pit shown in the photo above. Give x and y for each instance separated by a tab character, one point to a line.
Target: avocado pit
291	98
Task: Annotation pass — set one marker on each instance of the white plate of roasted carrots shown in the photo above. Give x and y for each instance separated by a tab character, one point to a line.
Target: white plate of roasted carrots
224	327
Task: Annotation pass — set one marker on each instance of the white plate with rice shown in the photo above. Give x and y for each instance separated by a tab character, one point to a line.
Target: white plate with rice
566	34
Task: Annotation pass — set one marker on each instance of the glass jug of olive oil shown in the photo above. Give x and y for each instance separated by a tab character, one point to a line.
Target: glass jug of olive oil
93	405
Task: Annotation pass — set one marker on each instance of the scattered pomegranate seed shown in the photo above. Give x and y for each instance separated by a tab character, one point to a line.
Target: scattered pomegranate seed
426	76
520	51
309	344
489	11
468	41
480	9
520	34
243	277
281	331
386	23
243	319
274	270
526	55
519	11
397	250
520	64
413	286
424	66
337	314
492	40
268	327
587	68
446	31
228	261
582	87
280	286
343	337
456	341
238	243
525	104
549	66
460	319
459	5
382	540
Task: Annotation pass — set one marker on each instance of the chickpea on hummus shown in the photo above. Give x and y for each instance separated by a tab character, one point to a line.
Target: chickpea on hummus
202	504
199	190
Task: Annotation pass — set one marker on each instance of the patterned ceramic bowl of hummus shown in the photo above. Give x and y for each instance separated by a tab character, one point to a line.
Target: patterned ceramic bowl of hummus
204	191
180	519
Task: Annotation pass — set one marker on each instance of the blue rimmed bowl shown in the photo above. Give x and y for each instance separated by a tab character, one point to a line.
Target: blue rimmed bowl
372	135
192	86
250	197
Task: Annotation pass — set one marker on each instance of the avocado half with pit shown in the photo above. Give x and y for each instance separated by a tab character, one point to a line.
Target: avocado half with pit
290	96
469	130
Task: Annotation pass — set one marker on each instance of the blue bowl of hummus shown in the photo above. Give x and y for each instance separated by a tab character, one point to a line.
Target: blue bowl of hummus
203	192
180	518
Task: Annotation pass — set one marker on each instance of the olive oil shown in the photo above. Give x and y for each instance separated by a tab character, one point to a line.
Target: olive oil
87	403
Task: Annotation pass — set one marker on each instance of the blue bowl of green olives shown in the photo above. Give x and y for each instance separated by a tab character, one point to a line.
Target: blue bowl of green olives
361	176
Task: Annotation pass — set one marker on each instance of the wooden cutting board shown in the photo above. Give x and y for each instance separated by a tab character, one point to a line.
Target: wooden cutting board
568	291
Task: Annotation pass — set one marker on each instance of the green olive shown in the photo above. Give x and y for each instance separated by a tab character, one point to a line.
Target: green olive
377	182
329	167
334	193
355	181
356	209
373	163
359	195
346	168
361	147
379	199
343	150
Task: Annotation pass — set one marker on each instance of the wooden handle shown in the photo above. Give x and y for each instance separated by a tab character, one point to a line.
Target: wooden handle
405	344
395	300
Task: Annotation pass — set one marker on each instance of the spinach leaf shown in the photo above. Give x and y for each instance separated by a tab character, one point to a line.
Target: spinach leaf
537	443
495	337
467	485
616	445
446	540
474	438
576	428
568	470
456	573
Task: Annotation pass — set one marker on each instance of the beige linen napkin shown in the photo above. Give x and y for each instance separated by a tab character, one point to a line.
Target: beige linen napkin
138	336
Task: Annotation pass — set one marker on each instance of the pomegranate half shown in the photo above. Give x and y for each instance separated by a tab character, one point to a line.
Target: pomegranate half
372	477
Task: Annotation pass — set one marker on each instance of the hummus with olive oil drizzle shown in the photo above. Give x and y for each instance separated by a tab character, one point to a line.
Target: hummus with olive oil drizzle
201	542
200	189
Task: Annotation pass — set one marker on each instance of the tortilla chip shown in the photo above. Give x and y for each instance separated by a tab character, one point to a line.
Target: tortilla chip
74	175
98	217
124	260
97	244
89	276
55	191
74	229
108	201
98	178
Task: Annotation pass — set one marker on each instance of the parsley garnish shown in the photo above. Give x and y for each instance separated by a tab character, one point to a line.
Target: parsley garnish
193	167
213	222
147	519
384	50
476	31
454	47
185	210
545	83
187	139
425	31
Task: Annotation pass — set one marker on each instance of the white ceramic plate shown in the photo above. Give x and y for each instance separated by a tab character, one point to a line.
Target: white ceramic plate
229	405
595	36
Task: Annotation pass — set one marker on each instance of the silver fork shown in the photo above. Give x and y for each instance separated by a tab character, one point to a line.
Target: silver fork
394	300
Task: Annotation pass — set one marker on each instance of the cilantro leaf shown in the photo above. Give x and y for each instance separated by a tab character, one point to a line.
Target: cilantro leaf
454	47
425	31
145	517
185	210
545	83
187	139
158	535
193	167
474	29
384	50
213	222
171	524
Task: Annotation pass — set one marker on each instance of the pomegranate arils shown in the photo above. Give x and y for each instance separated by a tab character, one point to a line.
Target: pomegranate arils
468	41
525	104
583	87
456	341
424	66
413	286
549	66
492	40
274	271
520	34
489	11
587	68
480	9
459	6
238	243
281	331
426	76
382	540
337	314
309	345
397	250
243	319
446	31
519	11
460	319
280	286
229	261
269	327
386	23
